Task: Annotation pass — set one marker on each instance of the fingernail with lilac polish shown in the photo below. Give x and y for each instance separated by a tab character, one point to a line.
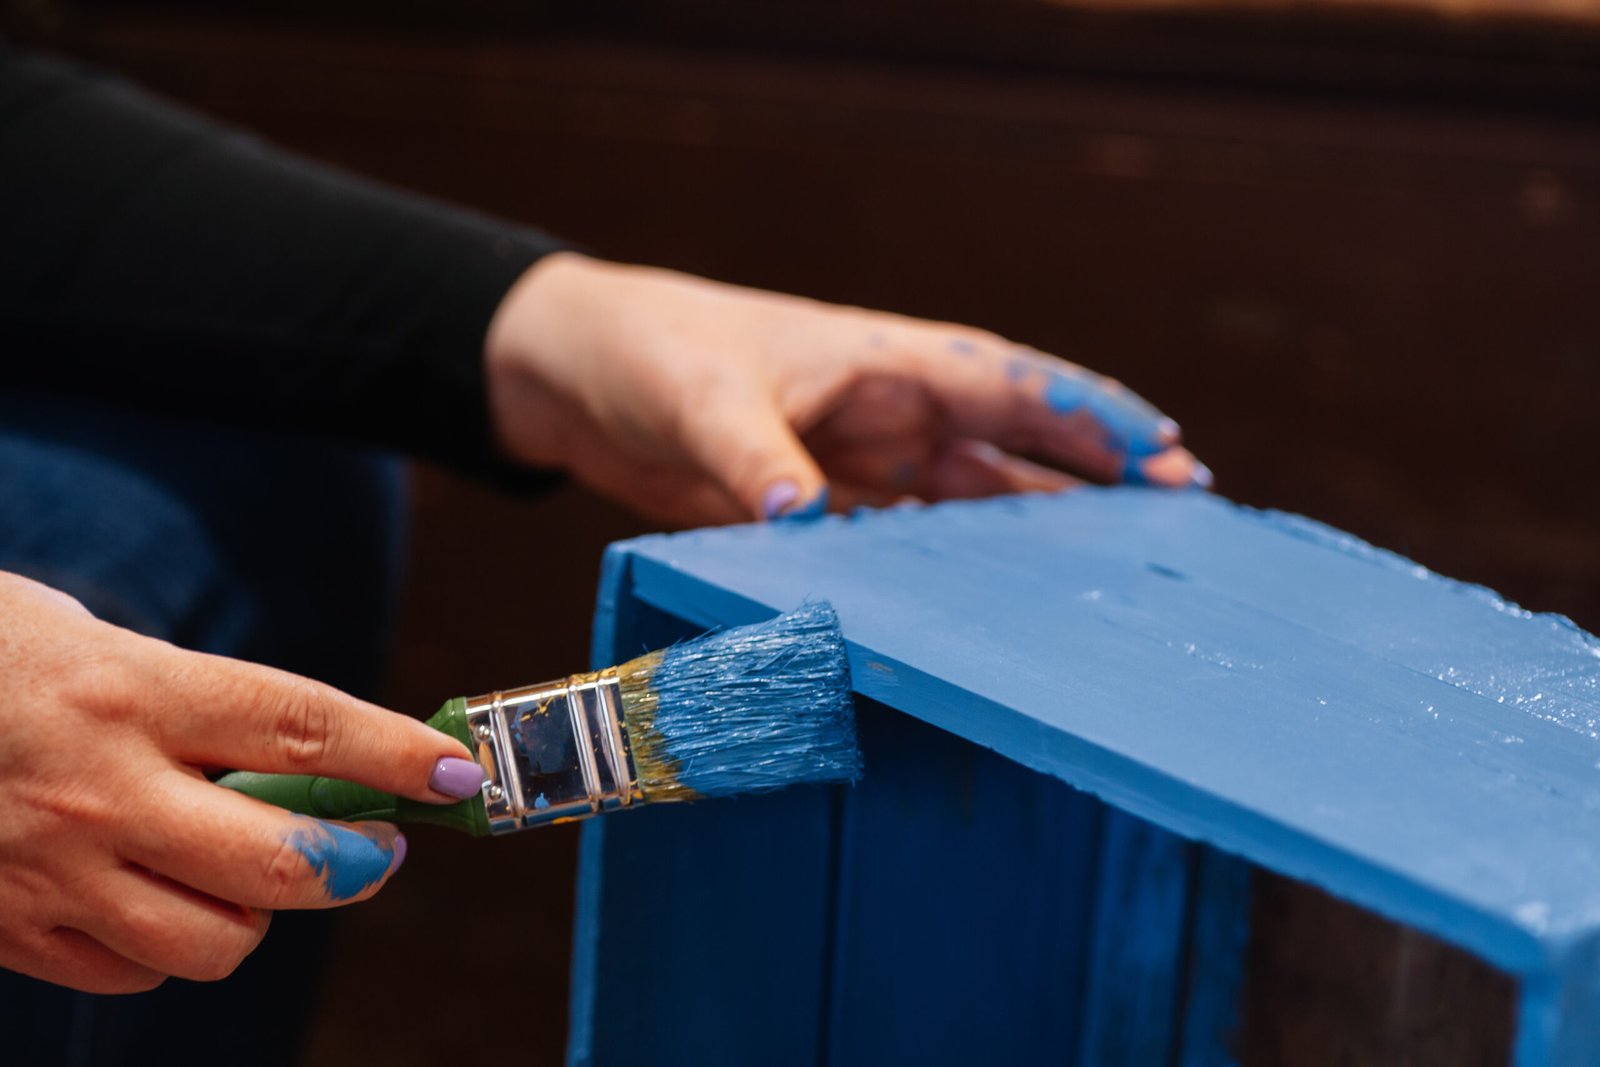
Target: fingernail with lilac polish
460	778
399	853
1201	478
814	508
779	496
1167	431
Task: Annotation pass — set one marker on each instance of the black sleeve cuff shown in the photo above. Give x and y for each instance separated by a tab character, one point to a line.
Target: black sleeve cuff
160	260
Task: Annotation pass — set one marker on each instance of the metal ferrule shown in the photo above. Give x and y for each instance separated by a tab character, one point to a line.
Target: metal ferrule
554	752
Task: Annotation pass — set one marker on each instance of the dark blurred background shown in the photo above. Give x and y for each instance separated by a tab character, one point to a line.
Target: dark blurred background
1352	245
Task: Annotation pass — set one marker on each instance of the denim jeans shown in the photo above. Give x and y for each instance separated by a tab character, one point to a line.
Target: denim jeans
238	542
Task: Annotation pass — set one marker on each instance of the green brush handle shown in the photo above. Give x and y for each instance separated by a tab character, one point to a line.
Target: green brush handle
333	798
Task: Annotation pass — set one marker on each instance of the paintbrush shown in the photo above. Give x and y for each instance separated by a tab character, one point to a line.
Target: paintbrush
743	710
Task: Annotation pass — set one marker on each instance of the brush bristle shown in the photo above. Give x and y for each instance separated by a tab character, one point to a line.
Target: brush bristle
744	710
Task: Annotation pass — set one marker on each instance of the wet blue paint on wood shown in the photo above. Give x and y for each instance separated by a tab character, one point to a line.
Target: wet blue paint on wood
966	882
1140	924
711	945
1219	930
701	930
1249	681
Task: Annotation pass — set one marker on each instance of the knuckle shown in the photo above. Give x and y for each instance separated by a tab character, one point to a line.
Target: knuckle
98	683
748	475
219	960
135	980
284	875
143	926
304	726
146	983
985	338
75	805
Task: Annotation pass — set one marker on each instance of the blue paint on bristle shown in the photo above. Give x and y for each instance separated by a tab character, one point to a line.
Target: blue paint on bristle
758	707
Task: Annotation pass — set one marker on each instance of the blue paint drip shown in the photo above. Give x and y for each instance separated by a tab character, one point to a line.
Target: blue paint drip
347	860
1131	425
759	707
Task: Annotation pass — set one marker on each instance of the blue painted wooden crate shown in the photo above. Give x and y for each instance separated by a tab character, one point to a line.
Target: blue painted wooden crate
1081	715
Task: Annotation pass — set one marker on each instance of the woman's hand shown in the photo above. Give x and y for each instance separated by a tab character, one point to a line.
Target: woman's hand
696	402
120	864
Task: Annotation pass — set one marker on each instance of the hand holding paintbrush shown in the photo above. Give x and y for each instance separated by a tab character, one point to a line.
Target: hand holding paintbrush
745	710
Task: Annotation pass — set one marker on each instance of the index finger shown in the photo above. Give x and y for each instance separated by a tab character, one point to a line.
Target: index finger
214	711
1031	403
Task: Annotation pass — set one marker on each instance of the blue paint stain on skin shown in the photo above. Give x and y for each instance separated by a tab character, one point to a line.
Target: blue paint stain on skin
1132	425
963	347
1133	470
1018	370
810	511
346	859
1066	392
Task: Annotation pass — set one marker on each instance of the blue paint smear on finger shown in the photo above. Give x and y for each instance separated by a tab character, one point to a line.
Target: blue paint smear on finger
347	860
1132	425
1133	472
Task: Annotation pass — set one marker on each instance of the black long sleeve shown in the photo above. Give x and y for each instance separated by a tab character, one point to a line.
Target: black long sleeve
155	258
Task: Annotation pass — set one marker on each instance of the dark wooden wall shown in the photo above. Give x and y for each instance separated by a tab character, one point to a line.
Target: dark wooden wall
1357	259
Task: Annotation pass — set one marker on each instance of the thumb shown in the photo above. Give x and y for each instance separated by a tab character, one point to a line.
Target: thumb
744	443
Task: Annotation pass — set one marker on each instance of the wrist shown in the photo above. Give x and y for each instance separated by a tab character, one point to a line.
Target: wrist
530	337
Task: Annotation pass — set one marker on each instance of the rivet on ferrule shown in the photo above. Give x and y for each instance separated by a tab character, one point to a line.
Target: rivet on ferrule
553	752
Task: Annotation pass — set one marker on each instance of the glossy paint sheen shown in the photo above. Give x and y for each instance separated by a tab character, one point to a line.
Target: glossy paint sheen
1247	678
1252	681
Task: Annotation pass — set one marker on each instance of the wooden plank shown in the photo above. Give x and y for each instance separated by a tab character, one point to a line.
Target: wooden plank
702	931
1219	934
966	896
710	934
1237	677
1557	1022
1329	984
1136	962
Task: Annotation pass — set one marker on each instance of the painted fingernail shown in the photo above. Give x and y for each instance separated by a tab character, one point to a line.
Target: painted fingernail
778	497
1167	431
399	852
1201	477
814	508
460	778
